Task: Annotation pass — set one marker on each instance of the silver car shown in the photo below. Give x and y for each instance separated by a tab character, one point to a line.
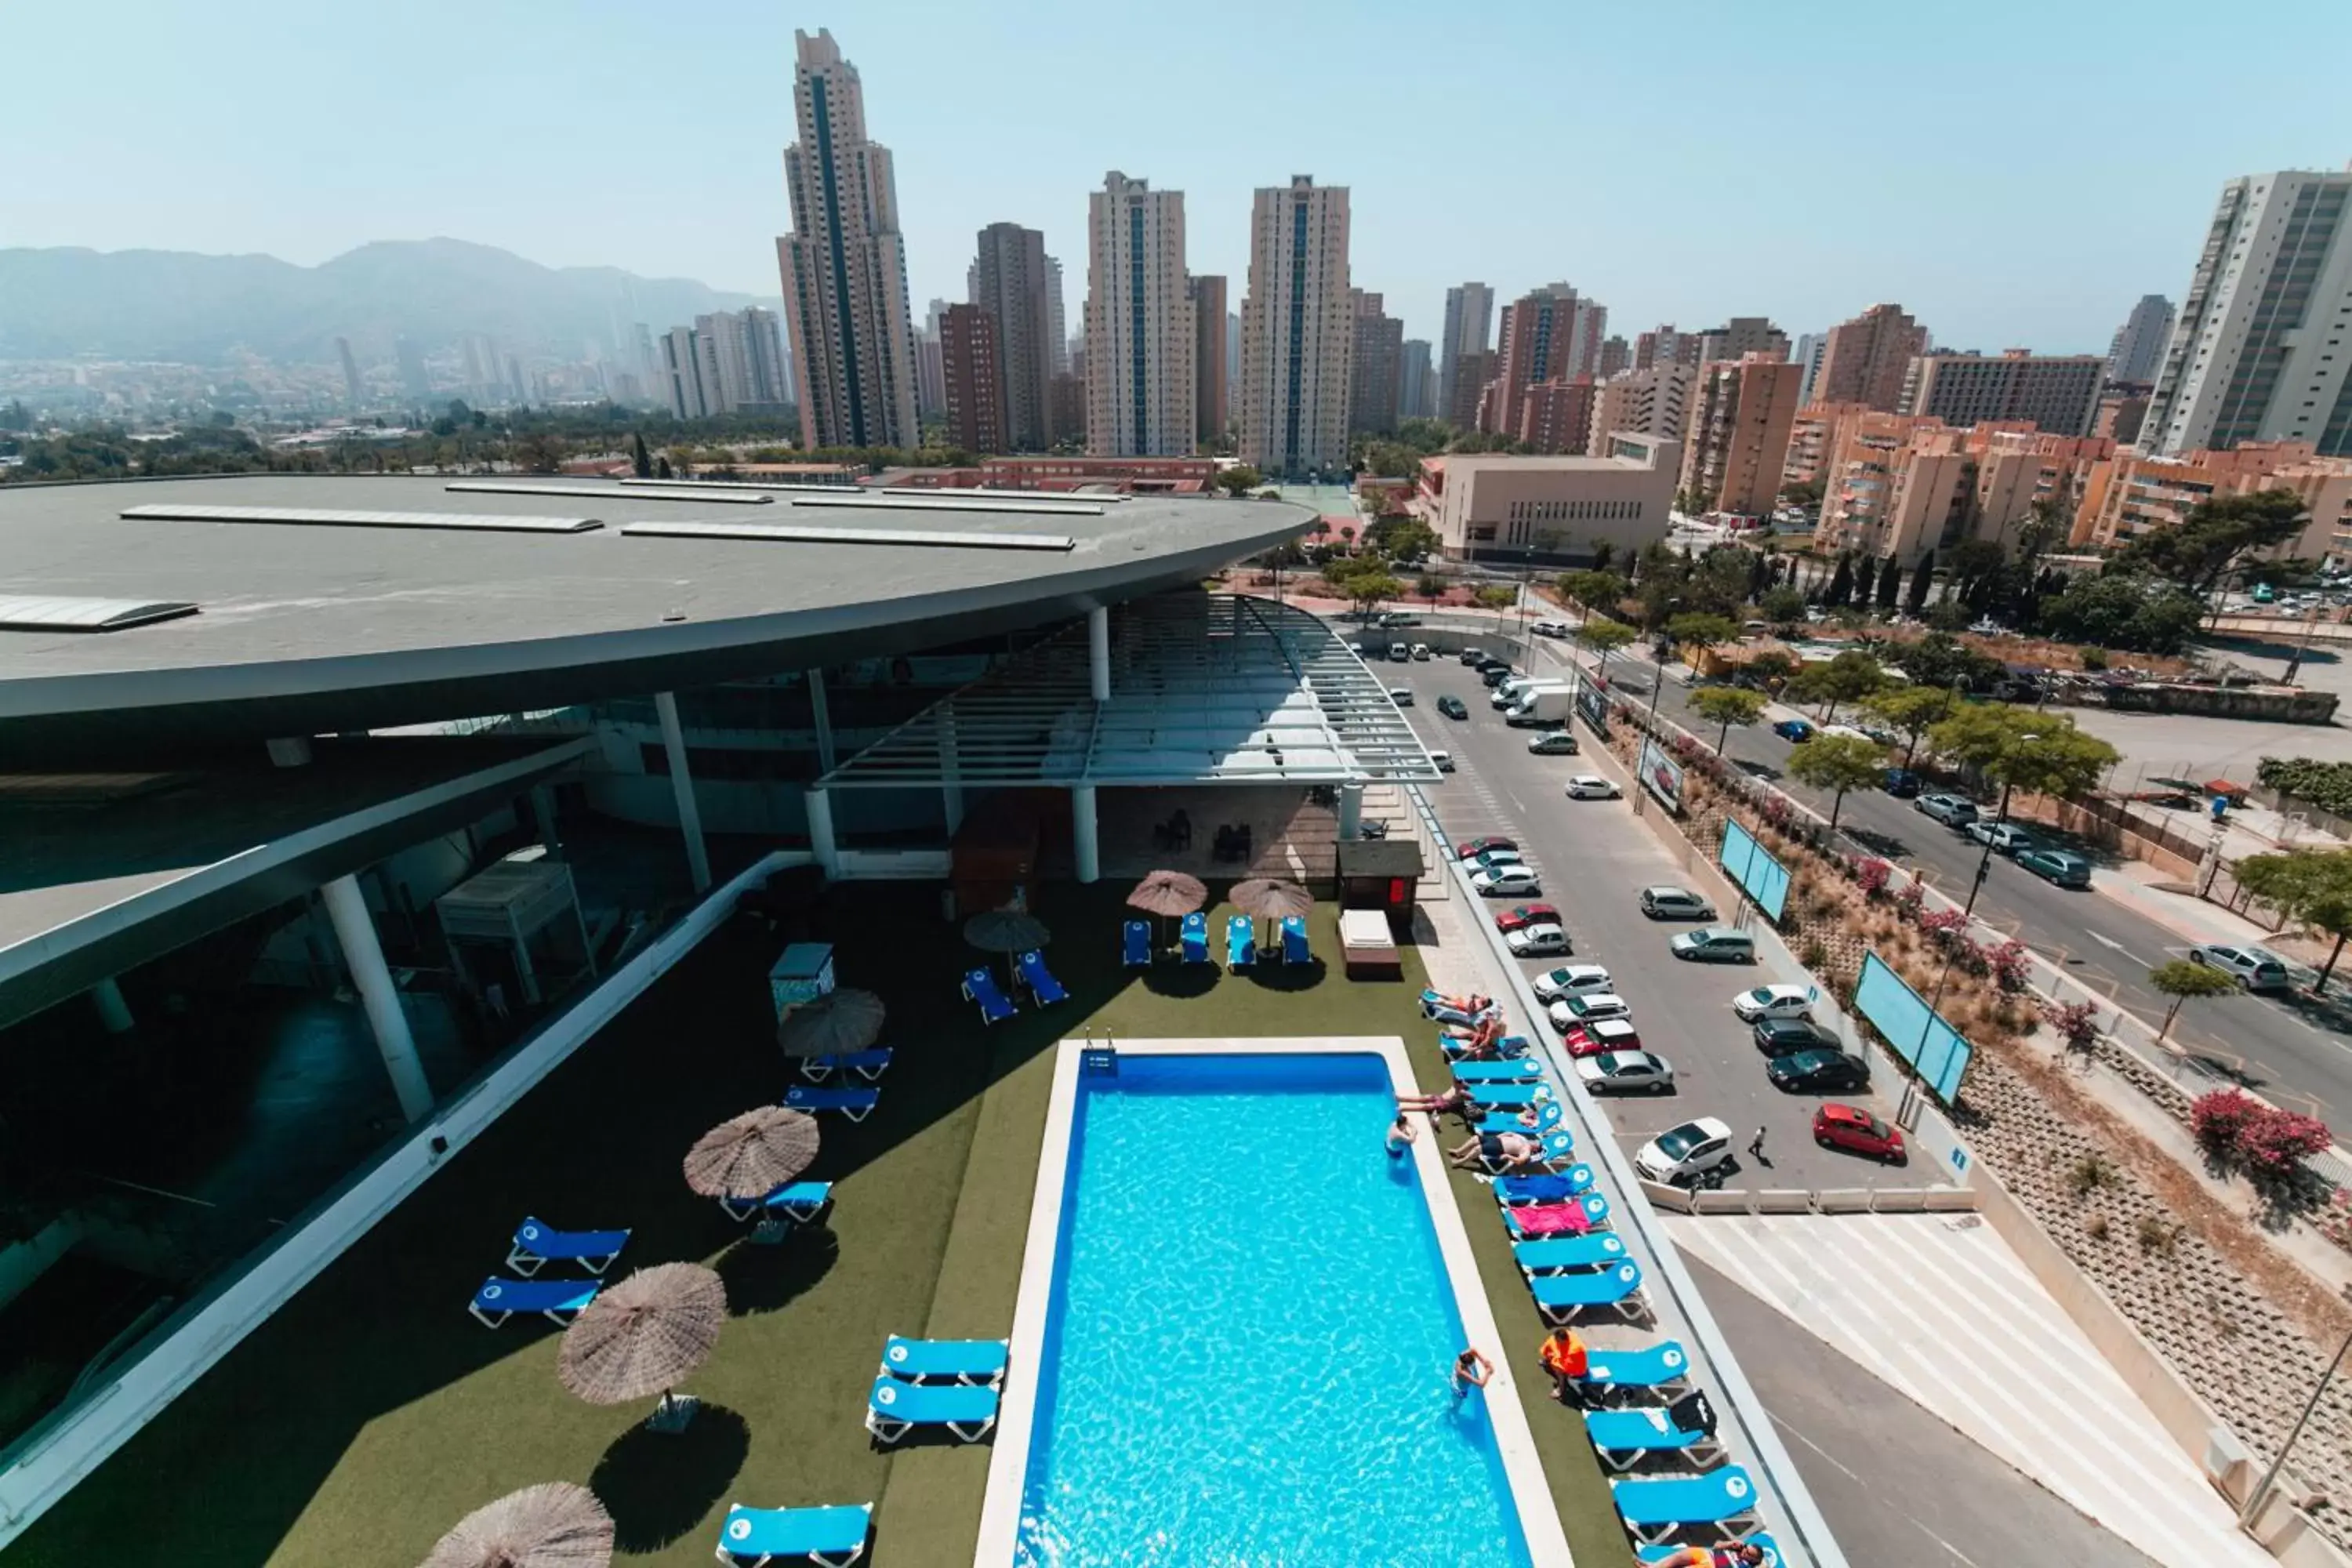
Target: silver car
2255	969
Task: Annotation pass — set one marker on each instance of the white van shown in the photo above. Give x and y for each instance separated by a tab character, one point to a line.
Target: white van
1398	652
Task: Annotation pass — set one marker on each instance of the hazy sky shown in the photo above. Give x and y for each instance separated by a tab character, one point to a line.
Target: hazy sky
2012	173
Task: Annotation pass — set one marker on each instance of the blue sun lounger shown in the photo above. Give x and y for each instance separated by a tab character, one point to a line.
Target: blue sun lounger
1135	944
1664	1550
1653	1510
559	1301
1596	1211
799	1202
1624	1437
1240	941
1549	1115
894	1408
1193	940
1521	1071
1576	1180
978	1362
1594	1249
537	1243
1559	1296
868	1065
835	1537
1293	941
1518	1095
980	989
1661	1365
857	1104
1043	989
1457	1046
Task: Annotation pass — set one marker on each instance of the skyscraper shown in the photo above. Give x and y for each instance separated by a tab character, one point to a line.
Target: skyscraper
1808	358
1742	336
2137	351
1469	329
1741	413
2260	347
1374	386
975	381
930	376
1298	330
1139	338
1059	331
352	388
1012	283
689	378
768	367
1551	334
1417	398
413	381
1864	360
844	267
1211	374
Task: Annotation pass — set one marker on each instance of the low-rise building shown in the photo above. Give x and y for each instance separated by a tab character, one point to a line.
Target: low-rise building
1555	416
1652	402
2132	492
1552	509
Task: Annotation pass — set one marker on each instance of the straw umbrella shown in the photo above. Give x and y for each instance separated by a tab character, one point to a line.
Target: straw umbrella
641	1336
1007	932
553	1525
1168	894
1267	898
753	1155
846	1019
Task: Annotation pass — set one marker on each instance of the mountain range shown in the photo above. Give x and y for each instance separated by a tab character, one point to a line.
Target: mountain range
199	309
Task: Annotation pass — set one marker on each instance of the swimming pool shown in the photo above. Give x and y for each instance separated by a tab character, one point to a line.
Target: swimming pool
1244	1350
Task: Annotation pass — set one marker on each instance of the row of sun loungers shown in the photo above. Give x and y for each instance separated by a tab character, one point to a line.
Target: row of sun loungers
1135	947
537	1244
1030	974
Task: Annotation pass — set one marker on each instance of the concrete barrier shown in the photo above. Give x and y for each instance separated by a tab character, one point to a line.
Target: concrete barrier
1843	1200
1784	1200
1673	1200
1732	1201
1899	1200
1951	1200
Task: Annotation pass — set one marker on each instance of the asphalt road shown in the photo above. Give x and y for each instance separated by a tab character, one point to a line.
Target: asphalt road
1594	860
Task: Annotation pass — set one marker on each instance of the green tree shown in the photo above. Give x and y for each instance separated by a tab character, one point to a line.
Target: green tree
2183	981
1703	631
1604	636
1784	607
1595	590
1890	588
1239	479
1494	596
2310	885
1865	580
1366	590
1425	436
1806	492
1725	706
639	459
1430	587
1767	671
2200	552
2123	610
1849	678
1603	552
1841	588
2040	753
1837	764
1912	710
1922	578
1402	538
540	452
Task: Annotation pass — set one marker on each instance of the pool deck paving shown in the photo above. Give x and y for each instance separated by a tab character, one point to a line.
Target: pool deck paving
371	1412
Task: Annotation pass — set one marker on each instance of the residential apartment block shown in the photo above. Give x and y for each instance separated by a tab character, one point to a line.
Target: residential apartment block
1298	331
1376	377
1469	329
1417	382
1555	509
1555	416
971	352
1898	486
1010	282
1742	336
1652	402
2059	394
1864	359
1212	374
2132	492
2137	352
1551	334
1473	374
1141	397
1738	437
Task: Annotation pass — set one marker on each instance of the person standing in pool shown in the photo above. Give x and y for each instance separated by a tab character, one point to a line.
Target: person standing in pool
1471	1370
1400	1136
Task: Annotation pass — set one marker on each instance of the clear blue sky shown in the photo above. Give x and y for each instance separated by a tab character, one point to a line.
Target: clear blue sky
2012	173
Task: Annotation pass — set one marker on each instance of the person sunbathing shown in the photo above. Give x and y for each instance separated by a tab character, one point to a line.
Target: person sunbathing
1455	1100
1510	1148
1470	1005
1747	1554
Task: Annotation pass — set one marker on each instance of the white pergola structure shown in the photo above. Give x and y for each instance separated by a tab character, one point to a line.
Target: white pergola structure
1179	689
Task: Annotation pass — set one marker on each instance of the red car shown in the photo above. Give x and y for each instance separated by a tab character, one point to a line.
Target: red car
1513	919
1850	1127
1471	846
1606	1035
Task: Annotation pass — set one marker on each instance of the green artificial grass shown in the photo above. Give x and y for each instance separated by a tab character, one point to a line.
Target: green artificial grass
372	1411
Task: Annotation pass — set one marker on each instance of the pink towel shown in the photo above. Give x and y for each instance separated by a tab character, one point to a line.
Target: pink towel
1550	1219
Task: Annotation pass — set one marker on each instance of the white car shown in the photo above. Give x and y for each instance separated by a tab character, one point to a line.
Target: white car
1552	743
1591	1008
1506	882
1693	1153
1401	695
1570	980
1774	1001
2006	837
1625	1072
1592	786
2255	969
1552	630
1539	941
1487	859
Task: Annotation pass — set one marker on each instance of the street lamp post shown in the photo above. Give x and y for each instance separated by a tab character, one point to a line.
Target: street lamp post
1984	864
2262	1493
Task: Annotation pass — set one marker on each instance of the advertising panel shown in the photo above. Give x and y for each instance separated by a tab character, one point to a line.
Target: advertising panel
1759	873
1661	775
1923	1039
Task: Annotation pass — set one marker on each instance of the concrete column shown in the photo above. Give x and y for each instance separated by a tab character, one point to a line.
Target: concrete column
1351	811
825	758
1098	652
951	774
542	818
112	1010
819	805
1086	848
355	929
681	784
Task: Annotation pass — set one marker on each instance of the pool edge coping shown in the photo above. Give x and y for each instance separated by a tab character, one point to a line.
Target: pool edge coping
1008	1463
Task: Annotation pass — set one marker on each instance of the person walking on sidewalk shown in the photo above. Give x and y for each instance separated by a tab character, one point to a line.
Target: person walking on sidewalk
1756	1148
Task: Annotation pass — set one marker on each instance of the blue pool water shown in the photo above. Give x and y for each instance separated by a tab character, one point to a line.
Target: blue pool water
1252	1329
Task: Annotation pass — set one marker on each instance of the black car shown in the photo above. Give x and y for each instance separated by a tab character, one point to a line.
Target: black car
1495	675
1827	1072
1903	784
1453	707
1782	1037
1472	655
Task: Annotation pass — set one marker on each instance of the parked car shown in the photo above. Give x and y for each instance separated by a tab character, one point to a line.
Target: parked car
2006	837
1453	707
1786	1037
2255	969
1796	730
1902	784
1592	786
1401	695
1471	848
1490	858
1472	656
1591	1008
1506	882
1497	675
1444	761
1518	915
1774	1001
1878	732
1399	618
1852	732
1420	653
1538	942
1552	630
1608	1035
1665	903
1400	652
1951	810
2063	866
1553	744
1691	1154
1850	1127
1570	980
1714	944
1815	1072
1625	1072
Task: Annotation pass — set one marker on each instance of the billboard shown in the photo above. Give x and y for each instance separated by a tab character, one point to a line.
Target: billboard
1594	707
1661	775
1754	868
1933	1048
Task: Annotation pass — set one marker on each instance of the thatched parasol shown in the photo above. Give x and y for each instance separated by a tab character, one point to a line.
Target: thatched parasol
1007	932
753	1155
643	1335
553	1525
846	1019
1267	898
1169	893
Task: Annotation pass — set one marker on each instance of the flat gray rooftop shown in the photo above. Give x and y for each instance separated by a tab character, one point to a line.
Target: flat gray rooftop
306	628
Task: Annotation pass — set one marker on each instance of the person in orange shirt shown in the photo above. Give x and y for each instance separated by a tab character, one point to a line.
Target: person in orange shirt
1745	1555
1564	1357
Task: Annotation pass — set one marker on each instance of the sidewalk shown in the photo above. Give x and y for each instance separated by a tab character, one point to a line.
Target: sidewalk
2147	892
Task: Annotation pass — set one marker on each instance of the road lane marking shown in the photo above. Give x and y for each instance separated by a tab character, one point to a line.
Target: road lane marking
2110	942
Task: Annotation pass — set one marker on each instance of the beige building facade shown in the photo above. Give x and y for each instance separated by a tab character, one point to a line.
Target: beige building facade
1298	331
1552	509
2134	492
1736	441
